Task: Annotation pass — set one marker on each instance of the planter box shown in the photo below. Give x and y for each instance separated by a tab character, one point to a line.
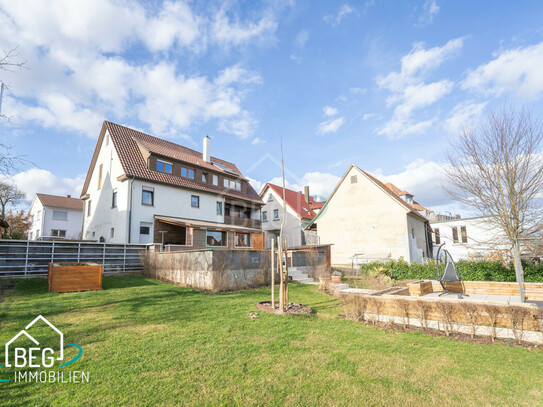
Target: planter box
69	277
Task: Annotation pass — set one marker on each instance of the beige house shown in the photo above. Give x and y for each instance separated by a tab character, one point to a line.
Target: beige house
363	218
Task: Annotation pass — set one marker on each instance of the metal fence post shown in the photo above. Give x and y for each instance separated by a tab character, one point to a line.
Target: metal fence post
53	252
104	256
124	257
26	256
79	252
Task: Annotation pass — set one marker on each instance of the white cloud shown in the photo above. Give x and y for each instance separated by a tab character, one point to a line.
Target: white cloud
429	11
301	38
357	91
243	125
330	126
463	114
422	179
411	93
368	116
76	52
329	111
37	180
320	184
343	12
257	140
227	33
516	71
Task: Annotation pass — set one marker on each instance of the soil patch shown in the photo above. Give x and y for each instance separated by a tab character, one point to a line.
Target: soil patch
293	308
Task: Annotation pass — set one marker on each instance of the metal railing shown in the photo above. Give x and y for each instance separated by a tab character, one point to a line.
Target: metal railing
20	258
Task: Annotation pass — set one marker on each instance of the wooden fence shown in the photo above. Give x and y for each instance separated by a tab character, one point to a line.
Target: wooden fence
21	258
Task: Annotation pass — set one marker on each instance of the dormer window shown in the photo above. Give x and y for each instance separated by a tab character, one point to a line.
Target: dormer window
164	166
408	198
270	198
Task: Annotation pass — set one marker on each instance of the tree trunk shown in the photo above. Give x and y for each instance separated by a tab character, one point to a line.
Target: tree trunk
519	272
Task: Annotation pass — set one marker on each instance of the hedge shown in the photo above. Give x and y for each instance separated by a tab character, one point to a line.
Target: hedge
469	270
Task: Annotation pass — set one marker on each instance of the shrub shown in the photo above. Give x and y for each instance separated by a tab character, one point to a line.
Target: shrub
469	270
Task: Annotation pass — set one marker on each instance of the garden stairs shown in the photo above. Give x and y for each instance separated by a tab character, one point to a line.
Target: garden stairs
297	274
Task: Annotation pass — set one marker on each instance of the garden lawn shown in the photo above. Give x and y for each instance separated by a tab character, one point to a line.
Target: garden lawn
150	343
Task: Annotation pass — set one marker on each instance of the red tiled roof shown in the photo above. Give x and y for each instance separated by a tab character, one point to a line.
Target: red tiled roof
397	191
316	204
60	201
126	142
296	200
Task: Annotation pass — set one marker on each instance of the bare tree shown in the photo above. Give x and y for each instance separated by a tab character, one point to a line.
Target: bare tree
496	169
9	60
9	195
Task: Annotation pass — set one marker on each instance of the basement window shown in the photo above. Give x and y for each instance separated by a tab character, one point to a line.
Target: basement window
464	234
58	233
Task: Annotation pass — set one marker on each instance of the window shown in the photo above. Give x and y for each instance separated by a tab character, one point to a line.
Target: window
455	234
60	215
413	233
464	234
354	179
88	208
100	176
215	238
204	177
30	236
148	196
37	233
264	216
58	233
226	183
164	166
145	230
195	201
93	234
242	240
191	174
219	208
438	236
183	172
216	180
38	215
112	233
114	199
270	198
232	184
276	214
238	186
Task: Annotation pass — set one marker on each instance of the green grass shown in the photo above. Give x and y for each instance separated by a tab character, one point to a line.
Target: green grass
150	343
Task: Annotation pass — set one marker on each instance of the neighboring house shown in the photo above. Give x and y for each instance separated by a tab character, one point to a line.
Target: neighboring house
142	189
363	217
58	217
469	238
299	212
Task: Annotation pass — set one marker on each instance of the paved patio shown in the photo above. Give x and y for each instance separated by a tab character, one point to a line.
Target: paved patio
500	299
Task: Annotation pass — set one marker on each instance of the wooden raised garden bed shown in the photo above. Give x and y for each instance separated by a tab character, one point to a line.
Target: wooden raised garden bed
69	277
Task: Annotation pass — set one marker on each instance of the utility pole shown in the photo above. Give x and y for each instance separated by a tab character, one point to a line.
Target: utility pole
1	95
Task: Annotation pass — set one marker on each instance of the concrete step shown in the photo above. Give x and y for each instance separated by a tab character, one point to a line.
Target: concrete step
305	280
358	291
297	275
340	287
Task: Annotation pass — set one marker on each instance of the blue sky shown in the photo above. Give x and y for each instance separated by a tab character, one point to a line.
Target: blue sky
383	85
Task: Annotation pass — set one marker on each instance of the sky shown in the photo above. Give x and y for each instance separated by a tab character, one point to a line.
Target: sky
384	85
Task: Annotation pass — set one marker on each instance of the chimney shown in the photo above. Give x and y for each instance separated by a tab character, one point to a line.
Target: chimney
206	149
306	194
68	196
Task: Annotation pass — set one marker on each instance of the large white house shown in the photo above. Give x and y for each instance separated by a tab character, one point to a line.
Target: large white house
59	217
300	209
364	217
469	238
142	189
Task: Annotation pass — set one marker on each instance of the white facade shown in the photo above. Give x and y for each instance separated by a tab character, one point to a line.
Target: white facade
49	221
362	218
293	228
470	238
129	217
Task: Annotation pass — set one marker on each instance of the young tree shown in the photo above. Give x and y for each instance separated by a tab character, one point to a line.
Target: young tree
19	224
9	195
496	169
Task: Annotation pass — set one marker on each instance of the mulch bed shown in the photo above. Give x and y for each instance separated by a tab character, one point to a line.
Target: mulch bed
485	340
293	308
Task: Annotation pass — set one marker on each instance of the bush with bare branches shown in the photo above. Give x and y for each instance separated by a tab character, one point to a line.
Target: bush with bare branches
446	312
423	309
492	312
516	316
404	308
472	313
355	307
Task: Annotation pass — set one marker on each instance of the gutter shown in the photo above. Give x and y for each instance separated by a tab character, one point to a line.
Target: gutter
130	210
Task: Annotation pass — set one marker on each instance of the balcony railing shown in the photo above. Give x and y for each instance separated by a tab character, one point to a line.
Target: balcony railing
249	223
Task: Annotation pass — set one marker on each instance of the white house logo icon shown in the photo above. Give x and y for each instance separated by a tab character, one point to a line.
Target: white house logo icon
28	357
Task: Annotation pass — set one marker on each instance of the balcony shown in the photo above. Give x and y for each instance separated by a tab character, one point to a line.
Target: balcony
246	222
